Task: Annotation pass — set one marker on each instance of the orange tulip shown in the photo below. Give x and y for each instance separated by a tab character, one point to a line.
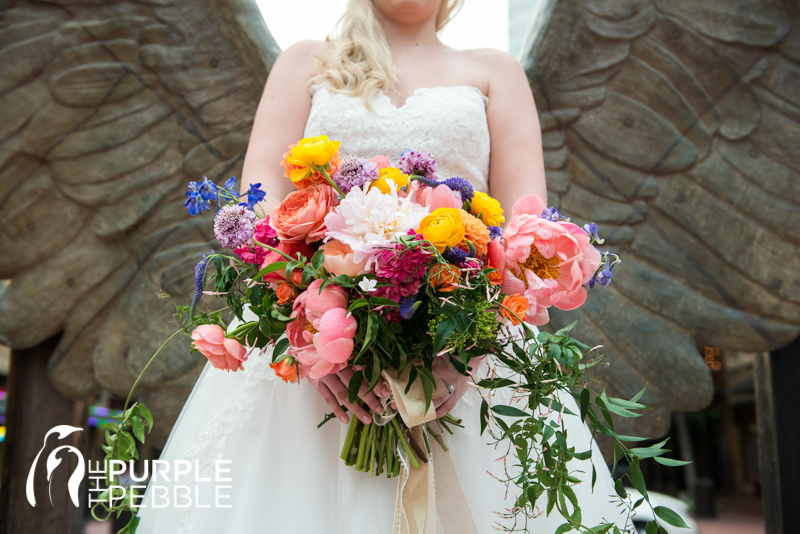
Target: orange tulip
444	276
514	305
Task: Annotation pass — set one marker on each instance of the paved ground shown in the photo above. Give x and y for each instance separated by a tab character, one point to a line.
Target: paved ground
735	515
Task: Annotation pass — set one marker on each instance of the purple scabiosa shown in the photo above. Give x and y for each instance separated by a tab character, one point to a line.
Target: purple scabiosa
418	162
354	172
233	225
551	214
199	282
495	231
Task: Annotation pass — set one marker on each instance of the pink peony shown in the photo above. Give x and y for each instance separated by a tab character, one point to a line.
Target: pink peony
546	261
301	216
339	259
321	336
222	352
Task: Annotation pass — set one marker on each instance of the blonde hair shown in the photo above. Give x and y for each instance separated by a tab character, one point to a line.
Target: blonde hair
359	61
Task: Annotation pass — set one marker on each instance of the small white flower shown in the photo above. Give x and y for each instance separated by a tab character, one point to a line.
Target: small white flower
368	284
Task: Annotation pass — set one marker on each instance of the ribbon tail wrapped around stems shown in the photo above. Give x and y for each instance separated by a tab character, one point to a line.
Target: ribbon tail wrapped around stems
416	504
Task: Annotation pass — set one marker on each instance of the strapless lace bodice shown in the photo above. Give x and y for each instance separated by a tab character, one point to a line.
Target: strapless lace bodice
449	122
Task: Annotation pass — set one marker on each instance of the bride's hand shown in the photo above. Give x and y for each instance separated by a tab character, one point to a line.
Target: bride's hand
444	369
333	390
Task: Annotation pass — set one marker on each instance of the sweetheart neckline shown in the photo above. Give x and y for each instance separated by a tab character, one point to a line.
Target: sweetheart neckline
415	93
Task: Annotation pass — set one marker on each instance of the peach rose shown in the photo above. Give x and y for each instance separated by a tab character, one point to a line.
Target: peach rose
339	259
222	352
285	293
476	232
301	216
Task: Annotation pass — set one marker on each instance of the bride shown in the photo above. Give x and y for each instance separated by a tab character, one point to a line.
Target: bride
384	84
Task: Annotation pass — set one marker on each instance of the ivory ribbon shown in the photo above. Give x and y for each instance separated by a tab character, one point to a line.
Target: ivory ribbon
415	507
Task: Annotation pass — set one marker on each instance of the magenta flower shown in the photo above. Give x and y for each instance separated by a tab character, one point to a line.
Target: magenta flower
264	233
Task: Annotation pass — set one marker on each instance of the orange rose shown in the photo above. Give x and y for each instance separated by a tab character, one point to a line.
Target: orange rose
516	304
476	232
286	369
285	293
495	277
445	276
301	216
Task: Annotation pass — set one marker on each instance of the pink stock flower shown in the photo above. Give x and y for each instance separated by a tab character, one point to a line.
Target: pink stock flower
301	216
321	336
222	352
546	261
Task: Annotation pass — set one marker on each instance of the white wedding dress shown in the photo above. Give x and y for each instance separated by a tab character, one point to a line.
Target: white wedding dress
286	474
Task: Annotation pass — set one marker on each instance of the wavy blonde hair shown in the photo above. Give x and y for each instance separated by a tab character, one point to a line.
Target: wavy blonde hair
359	61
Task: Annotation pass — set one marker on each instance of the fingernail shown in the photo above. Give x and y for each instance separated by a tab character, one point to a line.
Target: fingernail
366	419
343	418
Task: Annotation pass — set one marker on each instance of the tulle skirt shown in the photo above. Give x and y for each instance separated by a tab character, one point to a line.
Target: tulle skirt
281	474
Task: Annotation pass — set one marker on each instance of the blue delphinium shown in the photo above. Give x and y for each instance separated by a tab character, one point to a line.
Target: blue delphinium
495	231
604	277
254	194
591	230
196	203
199	282
551	214
408	305
455	255
207	189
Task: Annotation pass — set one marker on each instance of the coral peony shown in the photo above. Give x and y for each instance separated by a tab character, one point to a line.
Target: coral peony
222	352
497	260
321	336
301	216
339	259
547	261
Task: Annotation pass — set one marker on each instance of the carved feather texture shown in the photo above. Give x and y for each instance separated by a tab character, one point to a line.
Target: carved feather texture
109	109
680	123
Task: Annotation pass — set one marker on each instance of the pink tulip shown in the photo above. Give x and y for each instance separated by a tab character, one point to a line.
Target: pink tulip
381	161
222	352
440	196
546	261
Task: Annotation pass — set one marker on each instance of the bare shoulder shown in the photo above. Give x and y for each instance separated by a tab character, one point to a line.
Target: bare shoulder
493	68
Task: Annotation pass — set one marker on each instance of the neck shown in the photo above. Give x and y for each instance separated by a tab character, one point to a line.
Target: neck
403	37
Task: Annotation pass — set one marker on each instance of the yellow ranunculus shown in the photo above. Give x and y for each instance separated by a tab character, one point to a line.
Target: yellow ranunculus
488	209
390	173
443	228
310	151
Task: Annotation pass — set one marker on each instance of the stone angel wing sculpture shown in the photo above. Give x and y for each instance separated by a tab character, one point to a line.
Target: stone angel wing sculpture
108	109
675	125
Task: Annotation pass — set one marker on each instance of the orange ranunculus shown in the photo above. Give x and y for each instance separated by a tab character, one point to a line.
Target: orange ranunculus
285	293
286	369
476	232
516	304
301	158
445	276
301	215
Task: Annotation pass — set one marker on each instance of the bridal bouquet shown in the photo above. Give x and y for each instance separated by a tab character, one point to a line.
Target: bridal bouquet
383	269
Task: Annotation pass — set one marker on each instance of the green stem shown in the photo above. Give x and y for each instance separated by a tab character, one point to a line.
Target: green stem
390	452
373	445
348	441
362	447
273	249
406	446
329	180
